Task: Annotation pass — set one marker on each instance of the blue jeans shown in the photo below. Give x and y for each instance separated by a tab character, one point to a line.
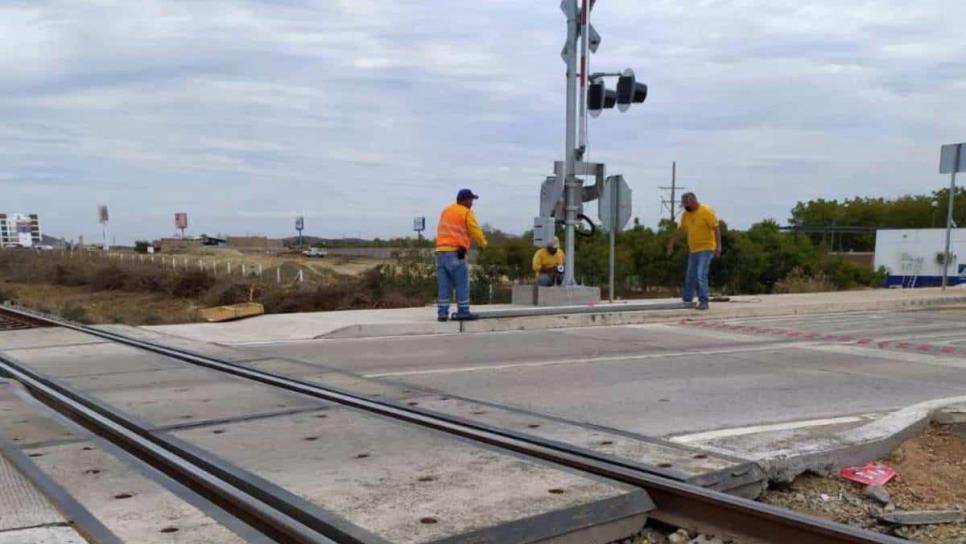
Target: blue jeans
452	272
548	280
699	263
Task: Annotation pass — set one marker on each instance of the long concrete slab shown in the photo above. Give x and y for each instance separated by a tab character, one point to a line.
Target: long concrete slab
380	475
713	471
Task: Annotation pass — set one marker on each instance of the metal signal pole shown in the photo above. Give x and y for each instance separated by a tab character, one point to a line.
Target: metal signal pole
949	219
571	186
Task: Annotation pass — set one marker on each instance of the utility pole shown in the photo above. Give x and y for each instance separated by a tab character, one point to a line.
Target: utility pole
673	188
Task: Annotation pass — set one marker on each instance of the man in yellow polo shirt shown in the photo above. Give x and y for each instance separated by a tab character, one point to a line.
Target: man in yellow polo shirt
704	243
548	263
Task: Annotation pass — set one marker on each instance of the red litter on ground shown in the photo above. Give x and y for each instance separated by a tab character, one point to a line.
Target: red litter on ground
869	473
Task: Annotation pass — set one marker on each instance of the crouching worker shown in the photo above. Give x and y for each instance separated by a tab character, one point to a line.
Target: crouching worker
548	264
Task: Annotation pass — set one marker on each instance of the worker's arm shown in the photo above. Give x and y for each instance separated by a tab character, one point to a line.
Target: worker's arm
674	238
712	219
476	231
537	261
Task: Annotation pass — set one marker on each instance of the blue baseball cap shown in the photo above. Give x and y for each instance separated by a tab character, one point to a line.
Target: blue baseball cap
466	194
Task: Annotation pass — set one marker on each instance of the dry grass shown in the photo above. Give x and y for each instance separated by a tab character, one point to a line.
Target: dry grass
94	289
82	304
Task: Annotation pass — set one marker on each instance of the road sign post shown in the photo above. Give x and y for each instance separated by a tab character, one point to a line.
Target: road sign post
181	222
419	225
614	211
952	159
103	218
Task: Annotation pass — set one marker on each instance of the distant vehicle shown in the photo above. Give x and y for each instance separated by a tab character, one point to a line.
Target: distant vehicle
44	248
315	252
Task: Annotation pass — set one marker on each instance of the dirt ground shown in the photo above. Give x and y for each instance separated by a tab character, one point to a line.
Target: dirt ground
87	306
931	475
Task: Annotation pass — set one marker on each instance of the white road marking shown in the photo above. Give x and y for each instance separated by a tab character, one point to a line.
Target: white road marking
589	360
907	356
756	429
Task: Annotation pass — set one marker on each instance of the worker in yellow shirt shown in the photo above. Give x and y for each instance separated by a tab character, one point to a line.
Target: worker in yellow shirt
457	229
548	264
704	243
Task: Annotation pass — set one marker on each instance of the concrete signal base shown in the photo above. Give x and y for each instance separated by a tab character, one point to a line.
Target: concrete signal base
533	295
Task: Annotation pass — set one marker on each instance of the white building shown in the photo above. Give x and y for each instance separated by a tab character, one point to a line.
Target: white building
20	230
914	257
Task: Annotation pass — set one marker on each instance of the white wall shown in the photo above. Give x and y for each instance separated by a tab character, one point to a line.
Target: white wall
897	249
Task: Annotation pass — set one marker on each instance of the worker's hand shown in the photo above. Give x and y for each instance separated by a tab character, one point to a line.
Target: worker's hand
717	253
670	249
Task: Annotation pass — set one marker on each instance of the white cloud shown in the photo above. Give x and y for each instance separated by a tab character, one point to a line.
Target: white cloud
371	111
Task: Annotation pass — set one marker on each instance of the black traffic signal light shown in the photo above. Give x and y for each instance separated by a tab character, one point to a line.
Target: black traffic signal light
629	90
599	97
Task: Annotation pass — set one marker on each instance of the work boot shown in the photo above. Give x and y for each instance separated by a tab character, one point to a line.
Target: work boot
688	305
442	319
703	306
465	316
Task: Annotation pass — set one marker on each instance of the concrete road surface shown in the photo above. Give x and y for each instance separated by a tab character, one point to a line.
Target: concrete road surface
675	379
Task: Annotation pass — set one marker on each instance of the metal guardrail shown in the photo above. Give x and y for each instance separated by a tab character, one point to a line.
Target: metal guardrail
677	503
602	308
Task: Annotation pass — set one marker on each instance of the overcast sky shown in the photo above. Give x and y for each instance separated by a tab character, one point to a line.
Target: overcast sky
360	114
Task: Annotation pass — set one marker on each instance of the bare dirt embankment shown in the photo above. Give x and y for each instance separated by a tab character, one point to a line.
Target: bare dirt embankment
931	475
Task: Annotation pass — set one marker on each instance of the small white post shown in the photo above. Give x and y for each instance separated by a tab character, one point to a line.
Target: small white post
244	273
278	275
259	270
228	268
301	276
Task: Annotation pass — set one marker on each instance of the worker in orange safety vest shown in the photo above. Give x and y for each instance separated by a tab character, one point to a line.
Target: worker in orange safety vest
458	229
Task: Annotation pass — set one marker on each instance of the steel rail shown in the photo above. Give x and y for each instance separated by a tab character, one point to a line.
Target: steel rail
677	503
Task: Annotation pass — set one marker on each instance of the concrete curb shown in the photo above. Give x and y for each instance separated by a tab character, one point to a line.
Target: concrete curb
738	309
381	330
858	445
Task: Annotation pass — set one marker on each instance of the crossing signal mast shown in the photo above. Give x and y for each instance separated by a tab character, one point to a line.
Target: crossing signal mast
563	194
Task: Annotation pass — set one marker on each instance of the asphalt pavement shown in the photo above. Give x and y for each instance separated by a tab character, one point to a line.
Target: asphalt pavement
672	379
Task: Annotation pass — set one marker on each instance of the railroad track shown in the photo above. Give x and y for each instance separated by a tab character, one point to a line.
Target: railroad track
677	503
12	321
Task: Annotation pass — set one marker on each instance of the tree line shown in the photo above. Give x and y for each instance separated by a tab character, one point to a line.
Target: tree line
811	253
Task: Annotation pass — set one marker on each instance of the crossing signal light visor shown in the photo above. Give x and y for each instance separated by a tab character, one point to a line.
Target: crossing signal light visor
599	97
629	91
